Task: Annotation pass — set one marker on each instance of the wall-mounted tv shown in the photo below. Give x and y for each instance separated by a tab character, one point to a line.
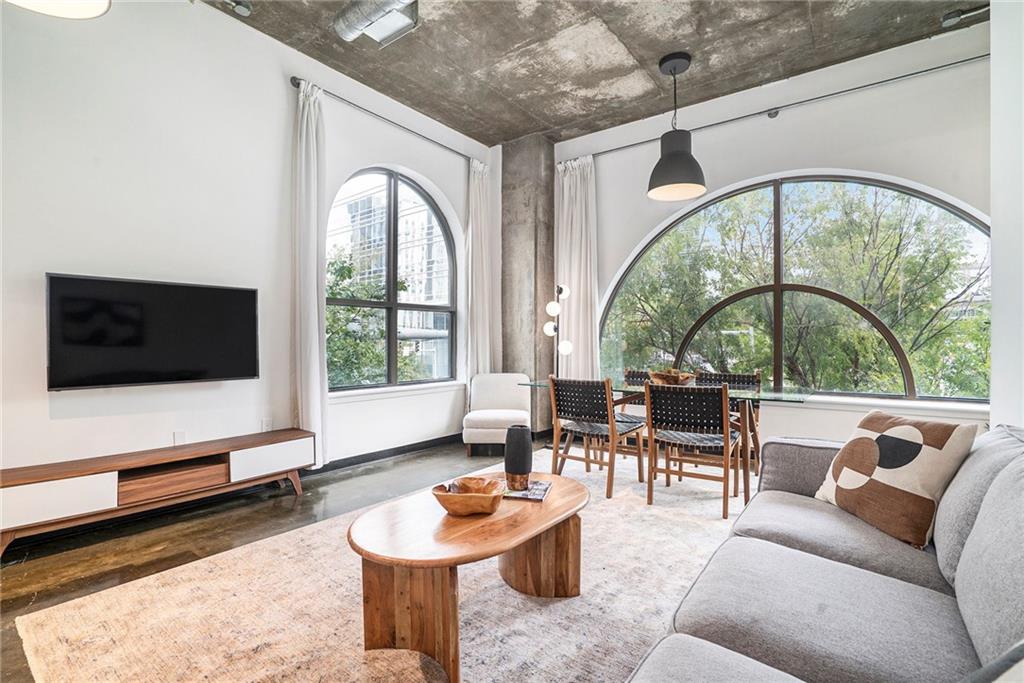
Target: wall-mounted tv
105	332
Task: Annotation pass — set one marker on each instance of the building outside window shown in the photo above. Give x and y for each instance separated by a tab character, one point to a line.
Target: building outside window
390	285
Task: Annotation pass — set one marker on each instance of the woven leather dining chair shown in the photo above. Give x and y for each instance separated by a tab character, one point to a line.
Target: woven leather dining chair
691	425
747	382
586	408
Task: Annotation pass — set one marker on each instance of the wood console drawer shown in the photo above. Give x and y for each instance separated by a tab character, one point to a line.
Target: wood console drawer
49	500
159	481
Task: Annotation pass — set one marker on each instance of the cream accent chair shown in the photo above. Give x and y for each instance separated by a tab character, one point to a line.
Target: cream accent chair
496	402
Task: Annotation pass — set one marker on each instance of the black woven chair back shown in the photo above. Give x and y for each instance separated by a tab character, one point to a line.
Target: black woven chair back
581	400
635	378
751	382
687	409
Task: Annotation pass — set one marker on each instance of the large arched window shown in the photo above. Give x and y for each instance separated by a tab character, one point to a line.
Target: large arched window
390	285
834	284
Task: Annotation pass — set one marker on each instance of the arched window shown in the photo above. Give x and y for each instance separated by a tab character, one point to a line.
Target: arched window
833	284
390	285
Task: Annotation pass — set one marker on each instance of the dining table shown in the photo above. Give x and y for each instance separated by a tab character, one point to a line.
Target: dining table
743	400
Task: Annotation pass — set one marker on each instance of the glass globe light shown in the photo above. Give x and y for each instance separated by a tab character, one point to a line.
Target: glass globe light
563	292
550	329
565	347
553	308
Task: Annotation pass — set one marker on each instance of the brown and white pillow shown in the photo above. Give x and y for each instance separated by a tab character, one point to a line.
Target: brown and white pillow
892	472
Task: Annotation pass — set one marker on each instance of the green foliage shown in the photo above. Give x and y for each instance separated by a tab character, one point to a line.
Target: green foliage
920	269
357	335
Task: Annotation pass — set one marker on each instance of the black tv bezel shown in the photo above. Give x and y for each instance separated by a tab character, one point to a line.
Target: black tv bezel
72	276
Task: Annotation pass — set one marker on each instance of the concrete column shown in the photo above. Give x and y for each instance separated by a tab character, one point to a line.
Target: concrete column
528	262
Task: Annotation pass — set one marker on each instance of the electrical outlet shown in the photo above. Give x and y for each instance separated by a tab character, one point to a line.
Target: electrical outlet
266	424
179	437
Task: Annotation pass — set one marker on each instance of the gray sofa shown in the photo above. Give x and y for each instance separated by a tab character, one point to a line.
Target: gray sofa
802	590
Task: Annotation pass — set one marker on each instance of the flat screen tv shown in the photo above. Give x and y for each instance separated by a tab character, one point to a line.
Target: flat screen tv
105	332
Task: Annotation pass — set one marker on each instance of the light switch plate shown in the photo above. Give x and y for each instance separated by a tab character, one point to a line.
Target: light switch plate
266	424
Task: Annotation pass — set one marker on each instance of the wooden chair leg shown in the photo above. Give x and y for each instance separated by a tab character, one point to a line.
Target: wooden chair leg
736	472
556	442
640	459
726	476
652	464
669	452
586	452
570	437
611	468
756	455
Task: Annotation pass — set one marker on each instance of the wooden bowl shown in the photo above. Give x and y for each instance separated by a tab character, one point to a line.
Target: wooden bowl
671	377
470	496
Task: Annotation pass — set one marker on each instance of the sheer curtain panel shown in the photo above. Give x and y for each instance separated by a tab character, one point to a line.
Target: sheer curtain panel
309	218
576	264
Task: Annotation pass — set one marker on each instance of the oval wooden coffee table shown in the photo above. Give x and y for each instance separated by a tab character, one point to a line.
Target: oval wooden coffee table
411	550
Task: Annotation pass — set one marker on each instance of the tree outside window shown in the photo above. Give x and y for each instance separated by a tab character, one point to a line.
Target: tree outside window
881	291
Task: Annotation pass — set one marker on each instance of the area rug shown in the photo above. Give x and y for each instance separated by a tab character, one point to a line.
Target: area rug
290	607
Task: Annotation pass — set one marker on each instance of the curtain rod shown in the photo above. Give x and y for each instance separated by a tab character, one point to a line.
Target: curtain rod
772	112
296	82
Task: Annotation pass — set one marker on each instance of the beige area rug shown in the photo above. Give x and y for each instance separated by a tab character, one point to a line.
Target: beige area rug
290	607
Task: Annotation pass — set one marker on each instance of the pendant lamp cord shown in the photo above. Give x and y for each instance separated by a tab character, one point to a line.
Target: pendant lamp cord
675	101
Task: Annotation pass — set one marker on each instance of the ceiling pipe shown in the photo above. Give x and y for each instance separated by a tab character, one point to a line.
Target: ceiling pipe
350	22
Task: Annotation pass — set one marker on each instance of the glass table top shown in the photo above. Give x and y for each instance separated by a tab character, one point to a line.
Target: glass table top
785	396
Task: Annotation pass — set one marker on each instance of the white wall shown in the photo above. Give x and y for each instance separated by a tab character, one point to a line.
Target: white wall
1007	212
931	131
155	142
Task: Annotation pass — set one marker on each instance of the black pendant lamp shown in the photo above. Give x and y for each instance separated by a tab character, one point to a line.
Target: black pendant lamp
677	176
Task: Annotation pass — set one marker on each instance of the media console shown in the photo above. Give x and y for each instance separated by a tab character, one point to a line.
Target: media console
58	495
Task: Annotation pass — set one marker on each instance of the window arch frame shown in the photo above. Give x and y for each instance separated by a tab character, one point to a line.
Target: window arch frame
779	286
390	303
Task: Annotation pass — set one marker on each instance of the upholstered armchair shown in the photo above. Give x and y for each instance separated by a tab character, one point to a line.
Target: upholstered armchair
496	402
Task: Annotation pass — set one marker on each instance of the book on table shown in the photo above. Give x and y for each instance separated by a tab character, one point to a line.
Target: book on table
536	491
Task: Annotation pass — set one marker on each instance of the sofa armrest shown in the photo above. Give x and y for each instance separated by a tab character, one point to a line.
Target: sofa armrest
795	465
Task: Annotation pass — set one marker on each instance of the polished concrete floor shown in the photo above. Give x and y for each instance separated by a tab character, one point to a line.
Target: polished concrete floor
45	571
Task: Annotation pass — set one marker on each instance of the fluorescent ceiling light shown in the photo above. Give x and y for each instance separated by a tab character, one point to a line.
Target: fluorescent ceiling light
392	25
66	9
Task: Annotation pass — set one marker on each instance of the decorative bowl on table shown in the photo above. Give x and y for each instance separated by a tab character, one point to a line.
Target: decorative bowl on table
470	496
671	376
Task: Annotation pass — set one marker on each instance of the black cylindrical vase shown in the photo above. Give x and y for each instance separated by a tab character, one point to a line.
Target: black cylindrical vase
518	457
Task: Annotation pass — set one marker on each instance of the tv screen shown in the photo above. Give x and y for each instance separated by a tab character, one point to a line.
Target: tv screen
107	332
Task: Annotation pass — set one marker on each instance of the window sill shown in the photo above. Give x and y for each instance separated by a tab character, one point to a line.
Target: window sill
965	410
394	391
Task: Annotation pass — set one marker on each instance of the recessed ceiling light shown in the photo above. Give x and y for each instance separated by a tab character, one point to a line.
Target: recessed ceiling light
242	8
66	9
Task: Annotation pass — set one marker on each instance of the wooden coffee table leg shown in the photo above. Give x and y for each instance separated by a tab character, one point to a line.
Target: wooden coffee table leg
547	565
414	609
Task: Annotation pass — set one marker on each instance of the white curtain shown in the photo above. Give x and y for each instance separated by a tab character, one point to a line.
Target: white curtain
483	256
576	265
309	218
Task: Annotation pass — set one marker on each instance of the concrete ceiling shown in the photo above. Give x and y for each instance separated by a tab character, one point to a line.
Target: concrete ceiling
498	70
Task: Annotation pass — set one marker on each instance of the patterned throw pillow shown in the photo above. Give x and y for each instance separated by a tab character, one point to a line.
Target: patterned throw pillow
892	472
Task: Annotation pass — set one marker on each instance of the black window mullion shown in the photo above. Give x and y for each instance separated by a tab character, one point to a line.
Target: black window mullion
392	286
778	331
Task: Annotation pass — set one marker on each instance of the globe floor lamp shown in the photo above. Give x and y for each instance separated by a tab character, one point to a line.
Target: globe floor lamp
563	347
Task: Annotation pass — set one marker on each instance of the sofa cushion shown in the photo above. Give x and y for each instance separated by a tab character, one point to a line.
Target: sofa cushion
893	471
817	527
680	657
495	418
990	576
822	620
959	506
